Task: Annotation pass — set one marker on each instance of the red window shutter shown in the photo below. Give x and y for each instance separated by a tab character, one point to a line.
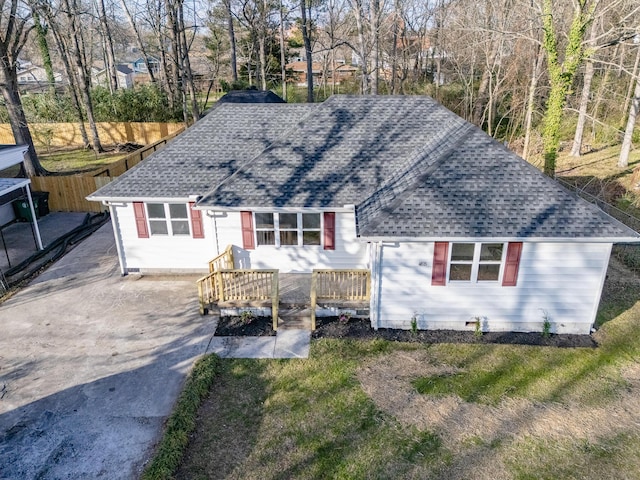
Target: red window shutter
197	228
141	219
439	267
246	219
329	230
512	263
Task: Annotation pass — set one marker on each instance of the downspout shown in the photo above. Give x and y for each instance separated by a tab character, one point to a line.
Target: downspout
376	270
215	231
116	233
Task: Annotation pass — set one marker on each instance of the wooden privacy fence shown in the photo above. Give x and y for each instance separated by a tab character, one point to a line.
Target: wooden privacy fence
347	285
67	194
68	134
118	167
240	286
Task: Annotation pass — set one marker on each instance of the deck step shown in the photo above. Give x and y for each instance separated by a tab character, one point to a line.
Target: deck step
299	318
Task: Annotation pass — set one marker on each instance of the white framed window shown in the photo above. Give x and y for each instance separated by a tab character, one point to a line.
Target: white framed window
476	262
168	219
288	229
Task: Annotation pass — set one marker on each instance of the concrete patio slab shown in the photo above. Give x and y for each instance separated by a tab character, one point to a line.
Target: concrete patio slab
19	240
243	347
287	343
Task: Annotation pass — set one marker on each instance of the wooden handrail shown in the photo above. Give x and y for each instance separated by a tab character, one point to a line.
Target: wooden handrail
207	292
341	284
239	285
222	261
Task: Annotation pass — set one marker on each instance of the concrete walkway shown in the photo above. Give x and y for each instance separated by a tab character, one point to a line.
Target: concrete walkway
285	344
91	364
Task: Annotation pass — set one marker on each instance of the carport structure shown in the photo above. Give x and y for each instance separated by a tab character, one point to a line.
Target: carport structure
12	188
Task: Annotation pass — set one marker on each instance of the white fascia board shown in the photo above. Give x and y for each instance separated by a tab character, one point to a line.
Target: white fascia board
11	184
12	155
274	209
503	239
121	200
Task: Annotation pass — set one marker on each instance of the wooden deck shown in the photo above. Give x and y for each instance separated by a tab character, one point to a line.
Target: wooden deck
290	295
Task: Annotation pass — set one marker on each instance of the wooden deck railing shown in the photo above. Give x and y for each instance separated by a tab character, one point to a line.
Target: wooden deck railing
224	261
349	285
228	285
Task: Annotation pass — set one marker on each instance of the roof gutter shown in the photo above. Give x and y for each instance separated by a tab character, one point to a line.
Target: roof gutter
502	239
122	200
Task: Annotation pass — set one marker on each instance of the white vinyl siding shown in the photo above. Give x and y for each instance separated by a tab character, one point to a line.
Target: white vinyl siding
349	252
180	253
561	280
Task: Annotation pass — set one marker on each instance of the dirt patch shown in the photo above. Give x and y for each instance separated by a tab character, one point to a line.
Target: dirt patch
331	327
471	428
244	327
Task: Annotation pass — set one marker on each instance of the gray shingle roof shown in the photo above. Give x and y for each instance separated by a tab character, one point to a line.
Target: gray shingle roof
341	153
484	190
412	168
206	153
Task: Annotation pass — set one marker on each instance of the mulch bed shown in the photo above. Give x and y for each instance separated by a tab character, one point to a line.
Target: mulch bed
237	327
357	328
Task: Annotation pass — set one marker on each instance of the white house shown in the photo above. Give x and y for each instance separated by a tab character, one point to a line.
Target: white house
452	225
29	74
124	76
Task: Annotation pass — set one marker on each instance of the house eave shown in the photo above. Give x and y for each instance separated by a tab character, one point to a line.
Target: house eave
115	200
388	239
217	208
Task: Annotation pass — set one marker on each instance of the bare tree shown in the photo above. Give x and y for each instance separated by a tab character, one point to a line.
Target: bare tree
14	29
623	161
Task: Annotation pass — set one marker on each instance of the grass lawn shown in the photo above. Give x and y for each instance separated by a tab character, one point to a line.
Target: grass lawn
77	160
377	409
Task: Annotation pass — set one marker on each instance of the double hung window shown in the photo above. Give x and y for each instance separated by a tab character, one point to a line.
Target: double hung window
168	218
286	229
476	262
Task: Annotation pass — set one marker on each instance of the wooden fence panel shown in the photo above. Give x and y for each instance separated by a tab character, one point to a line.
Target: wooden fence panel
68	134
118	167
67	194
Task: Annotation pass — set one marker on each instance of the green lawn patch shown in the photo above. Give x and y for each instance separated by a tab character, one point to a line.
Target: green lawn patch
286	419
182	421
480	411
77	160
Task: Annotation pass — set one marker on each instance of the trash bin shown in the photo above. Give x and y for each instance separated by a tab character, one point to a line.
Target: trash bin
40	205
22	210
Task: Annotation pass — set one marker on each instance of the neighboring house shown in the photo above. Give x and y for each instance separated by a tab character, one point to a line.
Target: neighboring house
124	77
299	71
33	75
140	66
451	224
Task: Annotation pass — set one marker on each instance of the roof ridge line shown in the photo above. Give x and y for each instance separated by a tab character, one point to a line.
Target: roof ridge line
252	159
394	200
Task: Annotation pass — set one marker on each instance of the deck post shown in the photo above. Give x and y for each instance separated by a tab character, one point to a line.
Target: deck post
220	283
314	298
230	257
275	298
201	297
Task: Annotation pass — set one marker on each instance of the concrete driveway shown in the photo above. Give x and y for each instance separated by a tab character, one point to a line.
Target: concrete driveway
91	364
